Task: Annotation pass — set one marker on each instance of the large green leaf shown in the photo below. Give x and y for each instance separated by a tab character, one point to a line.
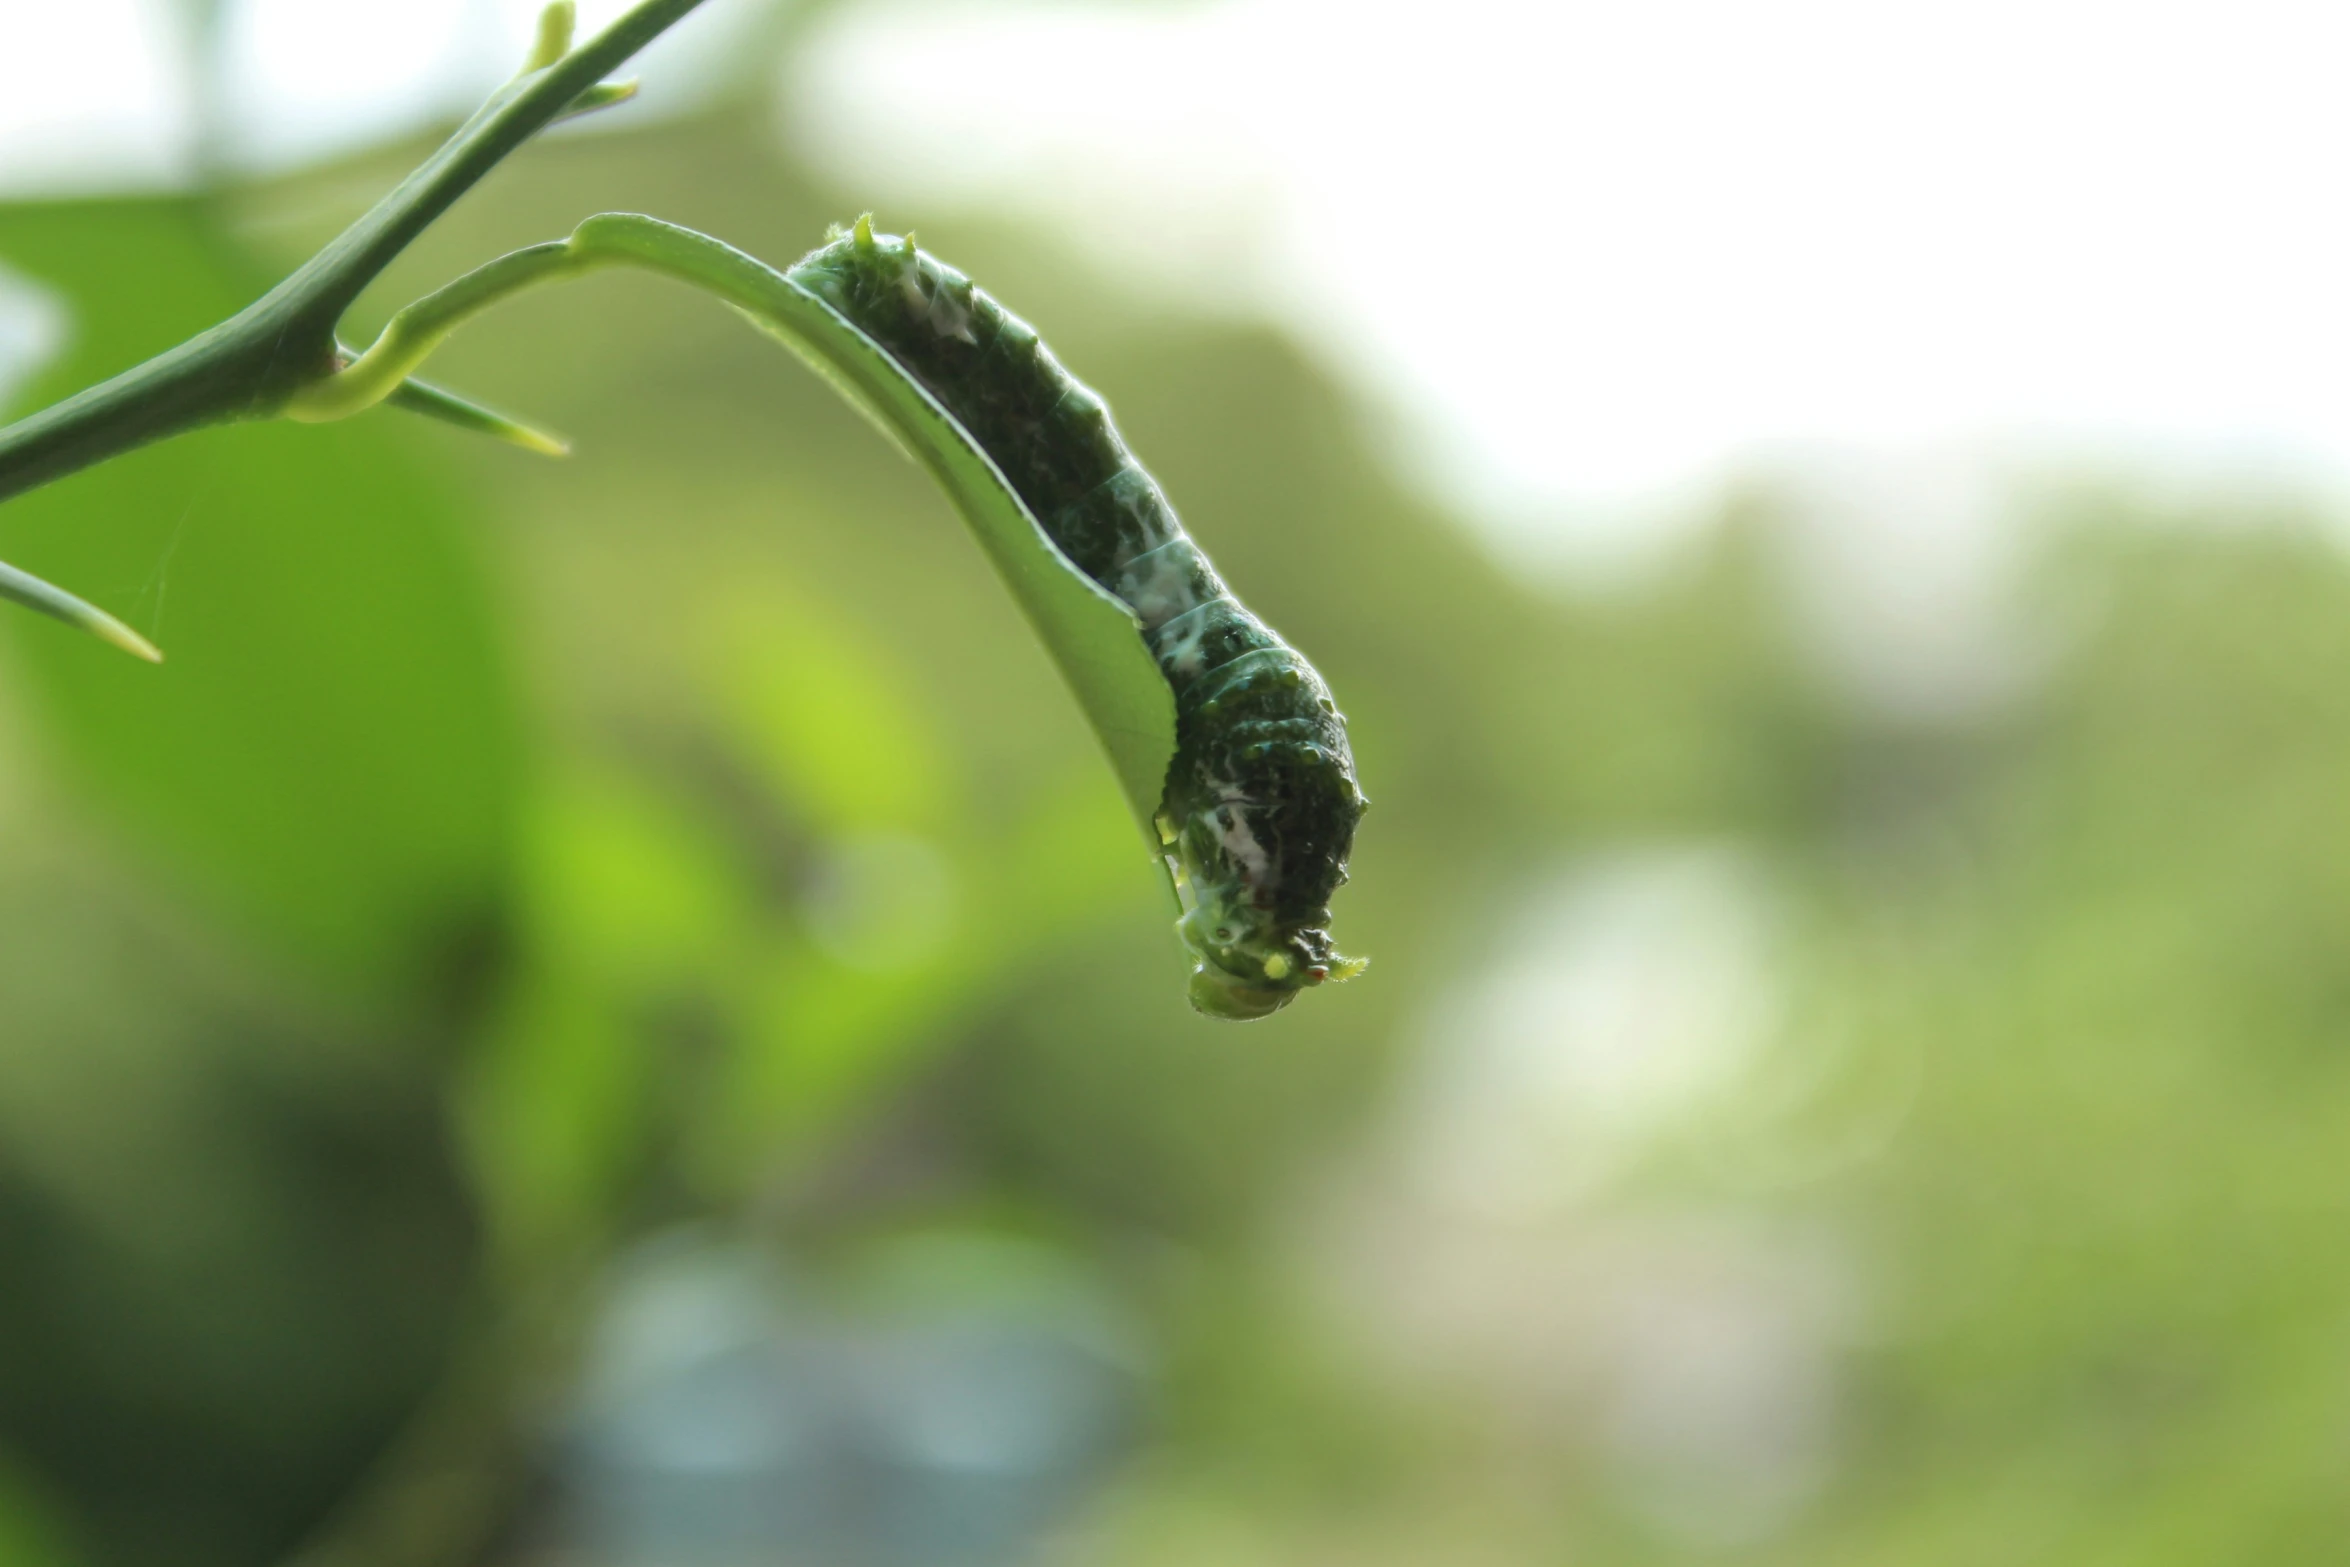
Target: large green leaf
329	754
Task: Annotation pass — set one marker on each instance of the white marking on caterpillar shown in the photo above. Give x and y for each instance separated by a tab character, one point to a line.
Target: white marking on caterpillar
1240	843
1163	591
950	317
947	315
1189	650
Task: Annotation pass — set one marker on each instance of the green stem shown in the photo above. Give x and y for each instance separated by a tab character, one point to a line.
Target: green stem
609	239
409	338
328	283
198	383
251	364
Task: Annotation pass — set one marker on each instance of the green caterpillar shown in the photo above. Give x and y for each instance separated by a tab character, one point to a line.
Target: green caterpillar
1261	799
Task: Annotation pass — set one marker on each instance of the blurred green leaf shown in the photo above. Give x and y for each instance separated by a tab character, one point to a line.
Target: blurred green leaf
29	1535
330	754
234	1245
828	714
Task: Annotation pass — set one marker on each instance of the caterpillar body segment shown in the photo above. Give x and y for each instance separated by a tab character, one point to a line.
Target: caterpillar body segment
1261	802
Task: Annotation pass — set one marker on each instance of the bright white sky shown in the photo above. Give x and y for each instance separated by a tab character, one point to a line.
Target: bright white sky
1604	252
1591	256
100	99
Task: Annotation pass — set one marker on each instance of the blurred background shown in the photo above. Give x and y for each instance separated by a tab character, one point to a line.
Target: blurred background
608	1012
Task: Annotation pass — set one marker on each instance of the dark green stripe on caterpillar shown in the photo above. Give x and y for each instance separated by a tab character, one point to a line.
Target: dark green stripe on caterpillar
1261	802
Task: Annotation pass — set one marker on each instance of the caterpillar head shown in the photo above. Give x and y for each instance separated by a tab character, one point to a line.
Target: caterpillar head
1258	835
1250	965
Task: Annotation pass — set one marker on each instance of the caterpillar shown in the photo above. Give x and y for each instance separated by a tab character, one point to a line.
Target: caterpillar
1261	801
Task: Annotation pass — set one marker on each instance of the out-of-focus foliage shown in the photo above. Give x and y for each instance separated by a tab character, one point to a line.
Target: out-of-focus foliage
1769	1133
234	1235
333	759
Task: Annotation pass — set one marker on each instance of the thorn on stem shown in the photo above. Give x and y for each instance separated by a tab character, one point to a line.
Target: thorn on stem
556	24
433	402
601	96
30	591
122	636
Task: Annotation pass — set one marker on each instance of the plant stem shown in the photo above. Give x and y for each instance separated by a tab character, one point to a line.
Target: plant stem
608	239
251	364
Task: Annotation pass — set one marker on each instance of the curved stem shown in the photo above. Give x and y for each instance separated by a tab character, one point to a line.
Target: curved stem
409	338
609	239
